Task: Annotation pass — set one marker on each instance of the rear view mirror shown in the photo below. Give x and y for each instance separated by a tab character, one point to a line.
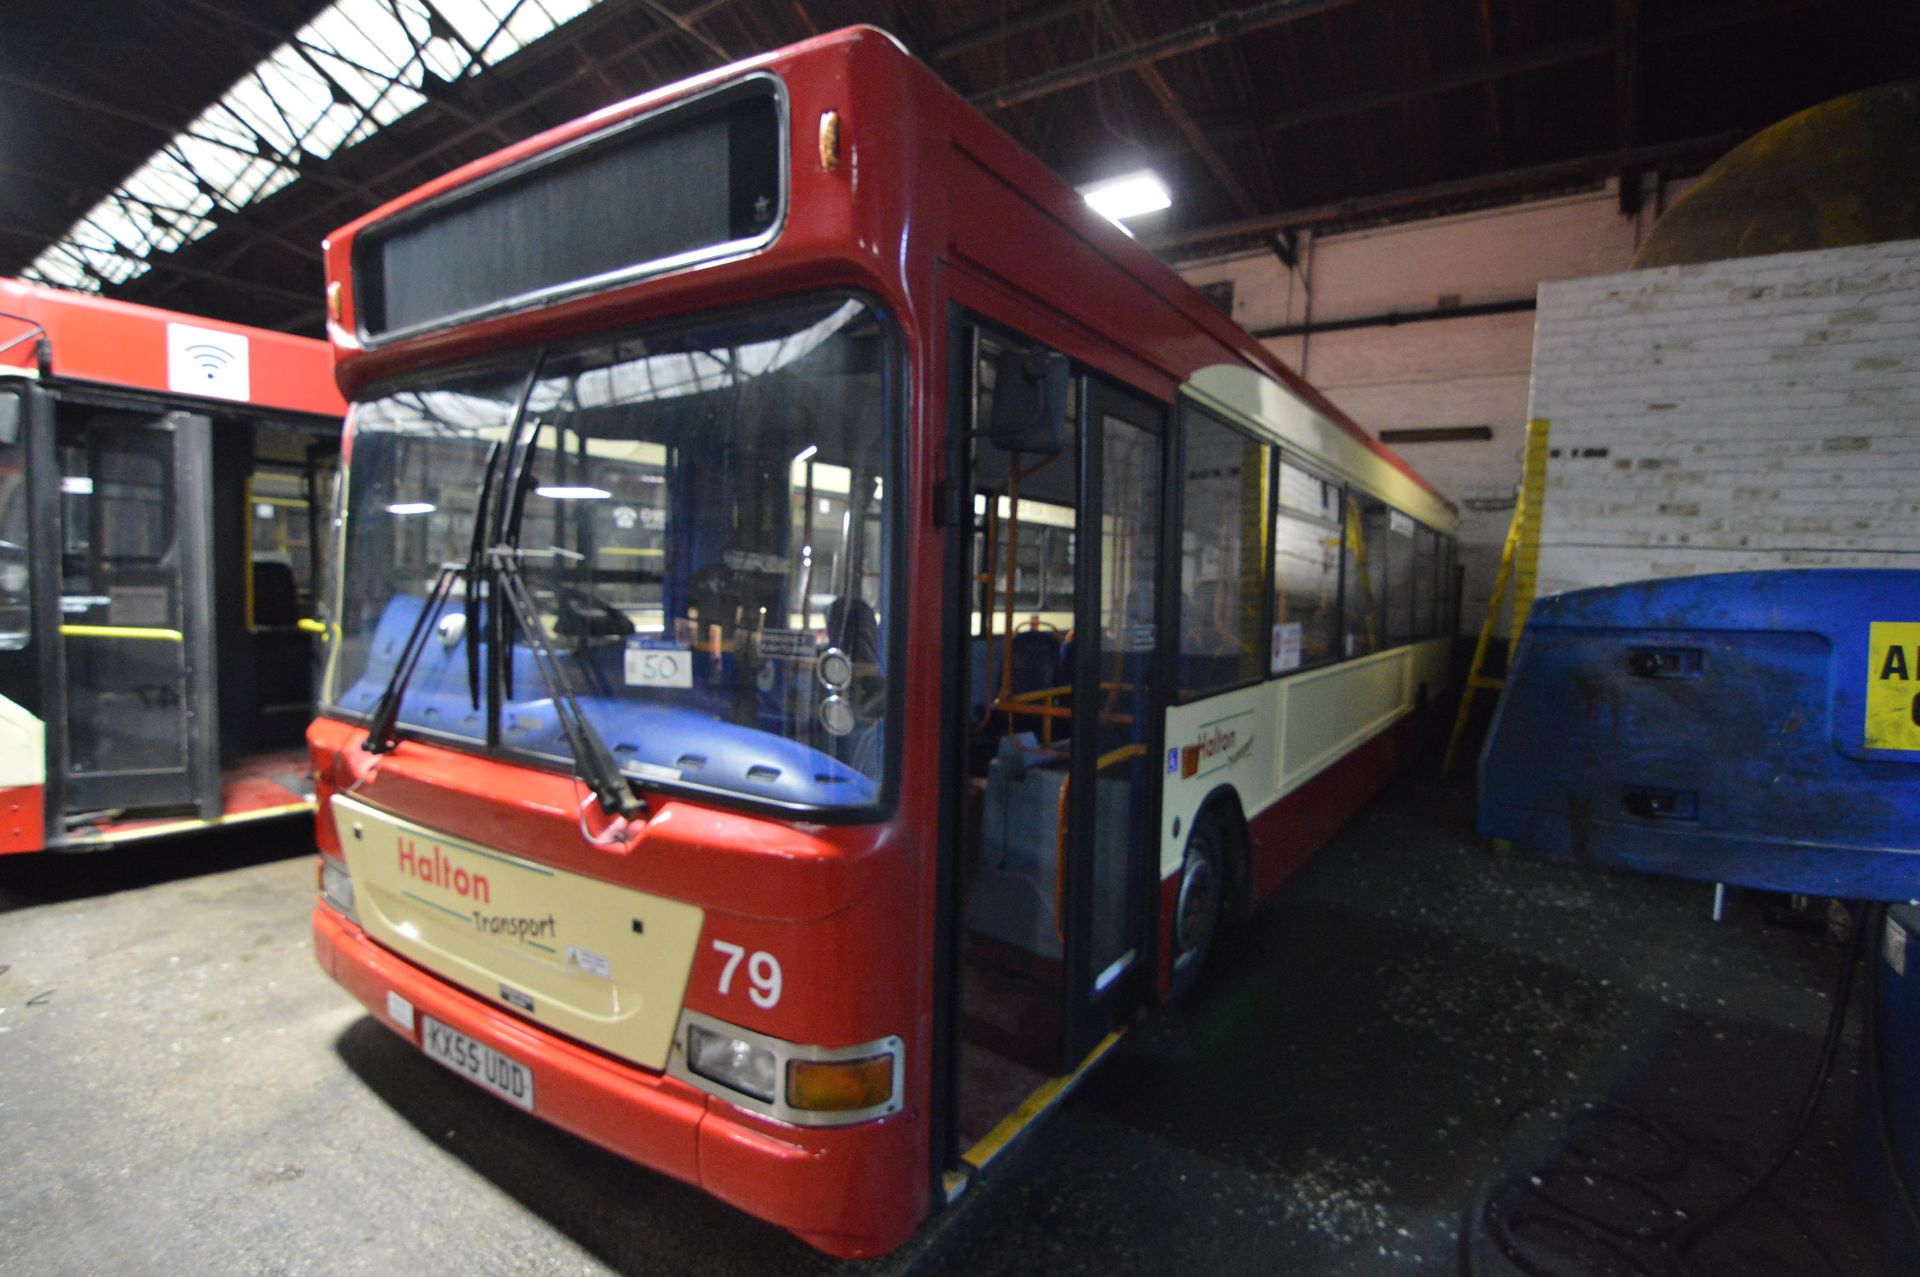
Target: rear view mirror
9	420
1029	400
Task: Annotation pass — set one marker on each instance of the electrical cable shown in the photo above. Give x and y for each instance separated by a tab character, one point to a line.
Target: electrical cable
1510	1211
1877	1098
1688	1236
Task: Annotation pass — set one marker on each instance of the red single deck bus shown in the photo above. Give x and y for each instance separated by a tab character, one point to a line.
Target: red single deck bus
159	491
784	717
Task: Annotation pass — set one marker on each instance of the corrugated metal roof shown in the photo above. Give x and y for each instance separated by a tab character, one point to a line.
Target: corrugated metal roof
192	154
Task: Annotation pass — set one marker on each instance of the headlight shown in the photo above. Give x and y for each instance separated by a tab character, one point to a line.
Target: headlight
732	1062
791	1081
336	886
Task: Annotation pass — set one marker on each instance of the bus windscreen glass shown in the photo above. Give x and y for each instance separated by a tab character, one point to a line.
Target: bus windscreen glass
695	182
704	532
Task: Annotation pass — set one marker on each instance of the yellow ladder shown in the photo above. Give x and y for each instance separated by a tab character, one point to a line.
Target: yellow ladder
1356	541
1519	563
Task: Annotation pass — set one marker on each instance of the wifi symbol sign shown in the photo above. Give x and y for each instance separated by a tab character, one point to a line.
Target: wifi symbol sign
207	362
211	360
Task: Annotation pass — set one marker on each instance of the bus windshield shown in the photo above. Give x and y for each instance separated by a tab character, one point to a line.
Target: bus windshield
699	516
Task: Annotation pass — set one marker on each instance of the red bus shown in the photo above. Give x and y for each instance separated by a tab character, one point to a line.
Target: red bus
160	480
784	722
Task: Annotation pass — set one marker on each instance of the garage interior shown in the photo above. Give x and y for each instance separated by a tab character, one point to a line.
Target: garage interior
1685	234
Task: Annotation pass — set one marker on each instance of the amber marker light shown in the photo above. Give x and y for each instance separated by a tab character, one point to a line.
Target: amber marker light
334	305
840	1086
830	140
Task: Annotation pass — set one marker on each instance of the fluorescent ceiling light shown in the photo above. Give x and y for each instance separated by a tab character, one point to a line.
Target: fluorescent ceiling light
1129	195
563	493
411	507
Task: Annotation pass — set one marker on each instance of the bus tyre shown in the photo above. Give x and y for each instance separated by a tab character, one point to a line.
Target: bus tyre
1199	905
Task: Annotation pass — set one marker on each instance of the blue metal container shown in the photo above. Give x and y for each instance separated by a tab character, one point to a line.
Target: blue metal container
1758	728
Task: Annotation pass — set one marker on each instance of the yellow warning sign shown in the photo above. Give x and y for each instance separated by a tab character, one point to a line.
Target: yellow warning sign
1893	685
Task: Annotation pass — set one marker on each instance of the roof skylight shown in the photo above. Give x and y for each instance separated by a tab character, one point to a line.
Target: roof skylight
353	70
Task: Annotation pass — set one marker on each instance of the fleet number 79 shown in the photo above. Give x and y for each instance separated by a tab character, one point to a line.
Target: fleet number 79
763	973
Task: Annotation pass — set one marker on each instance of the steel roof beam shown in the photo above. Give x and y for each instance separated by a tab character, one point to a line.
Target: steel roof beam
1199	35
1170	106
1041	15
1493	70
147	122
162	262
1626	96
1439	193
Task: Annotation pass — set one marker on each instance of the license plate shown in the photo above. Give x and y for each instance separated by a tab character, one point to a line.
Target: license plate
505	1077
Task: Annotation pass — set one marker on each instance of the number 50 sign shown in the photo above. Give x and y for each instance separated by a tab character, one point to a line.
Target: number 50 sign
659	667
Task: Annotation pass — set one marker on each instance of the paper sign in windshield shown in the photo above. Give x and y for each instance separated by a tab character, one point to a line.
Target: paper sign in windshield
1286	647
658	666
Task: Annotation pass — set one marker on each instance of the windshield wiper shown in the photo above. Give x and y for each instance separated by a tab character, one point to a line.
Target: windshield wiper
381	734
490	528
476	565
592	761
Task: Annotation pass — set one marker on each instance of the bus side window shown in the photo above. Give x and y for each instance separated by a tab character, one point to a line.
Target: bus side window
1400	602
1426	557
1223	552
1306	570
1364	569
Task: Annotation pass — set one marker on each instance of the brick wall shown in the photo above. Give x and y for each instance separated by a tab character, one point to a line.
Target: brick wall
1756	413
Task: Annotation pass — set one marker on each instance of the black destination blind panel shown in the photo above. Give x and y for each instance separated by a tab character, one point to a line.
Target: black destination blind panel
692	182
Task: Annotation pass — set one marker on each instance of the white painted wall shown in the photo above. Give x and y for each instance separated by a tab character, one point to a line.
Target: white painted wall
1756	413
1453	372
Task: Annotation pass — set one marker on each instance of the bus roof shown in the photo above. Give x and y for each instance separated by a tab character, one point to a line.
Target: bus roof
83	338
867	63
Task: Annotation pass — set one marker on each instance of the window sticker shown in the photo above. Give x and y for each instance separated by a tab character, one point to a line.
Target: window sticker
788	645
590	962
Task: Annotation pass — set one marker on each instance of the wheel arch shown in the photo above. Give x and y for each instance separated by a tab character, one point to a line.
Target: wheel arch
1223	804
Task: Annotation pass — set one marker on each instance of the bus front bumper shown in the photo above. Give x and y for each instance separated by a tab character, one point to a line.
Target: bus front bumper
815	1189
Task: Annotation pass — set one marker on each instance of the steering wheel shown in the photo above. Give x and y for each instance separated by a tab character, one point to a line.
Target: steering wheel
585	615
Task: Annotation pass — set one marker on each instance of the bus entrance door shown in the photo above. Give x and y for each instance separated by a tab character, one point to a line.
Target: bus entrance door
1055	812
1111	656
134	630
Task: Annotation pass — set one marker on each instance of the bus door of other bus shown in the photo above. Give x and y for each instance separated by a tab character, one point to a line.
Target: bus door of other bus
1058	732
29	672
133	632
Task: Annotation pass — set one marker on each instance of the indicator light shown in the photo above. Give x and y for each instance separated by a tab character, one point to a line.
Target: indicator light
840	1086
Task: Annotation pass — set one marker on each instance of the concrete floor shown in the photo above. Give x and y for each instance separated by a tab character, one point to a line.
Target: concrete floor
1413	1018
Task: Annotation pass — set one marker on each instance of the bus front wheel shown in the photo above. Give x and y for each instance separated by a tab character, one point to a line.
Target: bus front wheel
1199	906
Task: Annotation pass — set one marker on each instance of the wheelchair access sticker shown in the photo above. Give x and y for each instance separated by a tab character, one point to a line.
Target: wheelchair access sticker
1893	685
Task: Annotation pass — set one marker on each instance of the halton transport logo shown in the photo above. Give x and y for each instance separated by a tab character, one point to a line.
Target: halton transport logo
1220	744
434	868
